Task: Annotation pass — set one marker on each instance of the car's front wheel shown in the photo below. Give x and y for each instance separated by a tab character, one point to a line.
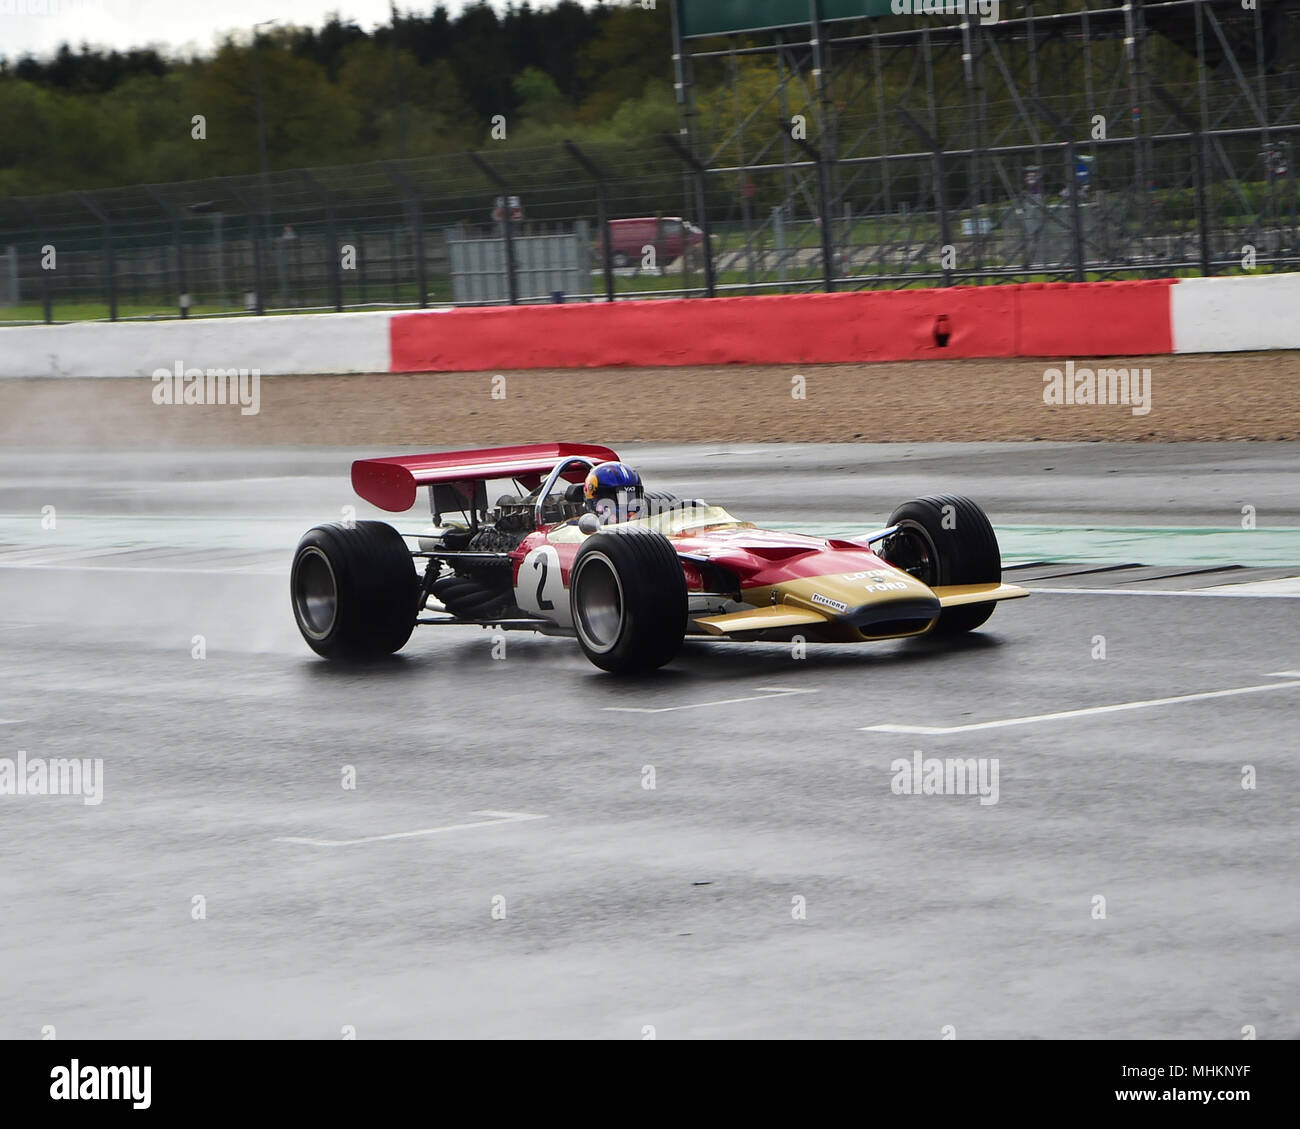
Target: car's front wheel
354	589
627	593
946	540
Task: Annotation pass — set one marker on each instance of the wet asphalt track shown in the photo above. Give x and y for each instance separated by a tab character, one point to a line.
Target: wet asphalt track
625	907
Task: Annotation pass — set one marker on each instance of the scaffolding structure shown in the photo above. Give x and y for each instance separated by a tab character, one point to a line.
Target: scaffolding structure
1067	140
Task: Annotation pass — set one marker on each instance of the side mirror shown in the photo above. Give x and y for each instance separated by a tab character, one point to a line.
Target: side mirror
588	524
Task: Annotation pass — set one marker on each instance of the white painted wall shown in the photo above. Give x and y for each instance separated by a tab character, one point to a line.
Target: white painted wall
1233	315
294	343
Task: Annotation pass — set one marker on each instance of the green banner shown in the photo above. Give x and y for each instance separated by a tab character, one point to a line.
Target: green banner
721	17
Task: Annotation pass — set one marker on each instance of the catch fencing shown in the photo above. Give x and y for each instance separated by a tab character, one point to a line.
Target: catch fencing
1071	140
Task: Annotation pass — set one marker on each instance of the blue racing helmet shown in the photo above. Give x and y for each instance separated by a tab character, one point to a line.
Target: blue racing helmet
613	491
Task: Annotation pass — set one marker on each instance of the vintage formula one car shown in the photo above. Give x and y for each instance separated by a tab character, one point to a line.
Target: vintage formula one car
630	575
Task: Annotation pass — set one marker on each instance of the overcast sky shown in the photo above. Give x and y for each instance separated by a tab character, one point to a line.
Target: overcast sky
184	26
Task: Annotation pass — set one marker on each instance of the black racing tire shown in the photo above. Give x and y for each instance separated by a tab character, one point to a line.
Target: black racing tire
942	540
627	592
619	260
354	589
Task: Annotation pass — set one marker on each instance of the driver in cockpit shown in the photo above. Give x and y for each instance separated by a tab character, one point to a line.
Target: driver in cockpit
614	493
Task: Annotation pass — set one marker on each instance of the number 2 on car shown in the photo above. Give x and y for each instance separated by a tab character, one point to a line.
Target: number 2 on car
540	586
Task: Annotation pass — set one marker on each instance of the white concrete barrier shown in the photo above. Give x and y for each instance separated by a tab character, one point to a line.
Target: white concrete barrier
1235	315
293	343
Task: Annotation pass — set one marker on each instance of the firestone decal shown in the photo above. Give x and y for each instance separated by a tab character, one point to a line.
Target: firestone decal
826	601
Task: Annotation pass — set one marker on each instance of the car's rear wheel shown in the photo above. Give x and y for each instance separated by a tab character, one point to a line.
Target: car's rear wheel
946	540
354	590
619	259
627	592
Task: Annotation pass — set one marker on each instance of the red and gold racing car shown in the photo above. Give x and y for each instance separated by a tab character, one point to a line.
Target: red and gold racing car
629	575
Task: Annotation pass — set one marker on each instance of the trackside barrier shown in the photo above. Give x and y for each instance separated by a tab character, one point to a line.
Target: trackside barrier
1234	315
776	329
1095	319
292	344
1085	319
1139	318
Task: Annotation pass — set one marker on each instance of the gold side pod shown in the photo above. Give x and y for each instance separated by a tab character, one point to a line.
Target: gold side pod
954	595
759	619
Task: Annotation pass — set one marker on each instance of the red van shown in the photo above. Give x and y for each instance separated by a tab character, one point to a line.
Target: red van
668	235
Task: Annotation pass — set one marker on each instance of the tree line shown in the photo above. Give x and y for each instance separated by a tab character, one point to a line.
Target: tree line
85	118
89	118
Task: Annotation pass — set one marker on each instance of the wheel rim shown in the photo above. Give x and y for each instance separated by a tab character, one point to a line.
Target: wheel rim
315	594
599	617
912	551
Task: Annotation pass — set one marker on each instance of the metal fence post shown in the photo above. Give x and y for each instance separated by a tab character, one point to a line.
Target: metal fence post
331	235
1203	208
1076	218
174	214
701	187
42	240
110	275
255	233
412	200
1066	136
222	296
392	265
826	147
825	217
512	282
941	205
361	265
1190	124
940	191
602	215
209	208
778	240
684	96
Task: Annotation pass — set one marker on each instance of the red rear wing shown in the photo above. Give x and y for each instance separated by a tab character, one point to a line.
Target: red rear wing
391	484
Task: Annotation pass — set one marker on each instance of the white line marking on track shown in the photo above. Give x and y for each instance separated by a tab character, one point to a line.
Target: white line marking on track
1279	586
769	693
939	730
499	819
1218	591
